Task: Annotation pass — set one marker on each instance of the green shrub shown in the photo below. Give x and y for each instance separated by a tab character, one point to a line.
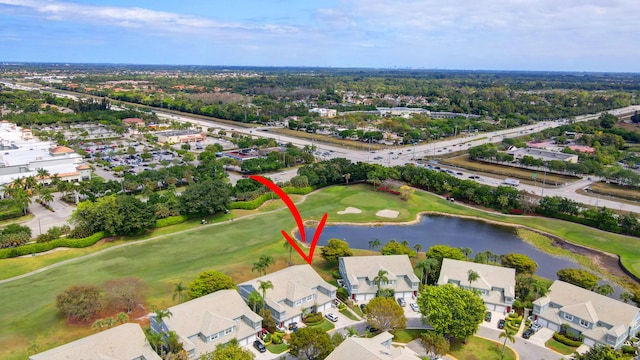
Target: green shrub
342	294
313	318
42	247
255	203
627	349
565	340
171	220
336	274
277	338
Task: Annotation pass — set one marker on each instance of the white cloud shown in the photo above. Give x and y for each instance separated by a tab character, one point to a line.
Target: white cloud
134	17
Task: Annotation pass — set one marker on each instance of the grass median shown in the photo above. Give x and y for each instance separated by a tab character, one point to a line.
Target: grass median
30	318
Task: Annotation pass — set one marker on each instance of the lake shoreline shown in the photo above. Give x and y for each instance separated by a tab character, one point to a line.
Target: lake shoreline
608	263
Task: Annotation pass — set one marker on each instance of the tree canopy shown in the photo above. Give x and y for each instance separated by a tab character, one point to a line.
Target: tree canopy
451	310
208	282
79	302
229	351
310	343
385	314
334	249
522	263
578	277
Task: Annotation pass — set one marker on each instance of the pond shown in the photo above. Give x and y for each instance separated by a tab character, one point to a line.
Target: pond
456	232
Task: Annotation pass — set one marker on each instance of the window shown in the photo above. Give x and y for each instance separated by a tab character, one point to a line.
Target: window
568	316
213	337
585	323
228	331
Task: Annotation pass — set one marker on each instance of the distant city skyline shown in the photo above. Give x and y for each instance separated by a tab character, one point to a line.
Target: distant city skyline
530	35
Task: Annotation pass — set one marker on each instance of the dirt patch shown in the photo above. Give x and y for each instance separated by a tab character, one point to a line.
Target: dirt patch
386	213
350	210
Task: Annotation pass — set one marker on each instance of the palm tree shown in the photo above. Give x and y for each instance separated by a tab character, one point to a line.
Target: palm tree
605	289
262	264
490	255
418	248
162	314
626	296
381	278
405	243
351	331
264	286
287	245
507	334
374	244
178	291
426	266
42	173
466	251
473	276
346	178
253	299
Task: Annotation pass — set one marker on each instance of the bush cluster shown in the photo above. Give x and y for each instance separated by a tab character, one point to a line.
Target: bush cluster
313	319
171	220
42	247
565	340
257	202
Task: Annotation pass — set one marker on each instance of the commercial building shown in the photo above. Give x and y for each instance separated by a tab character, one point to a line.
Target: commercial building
180	136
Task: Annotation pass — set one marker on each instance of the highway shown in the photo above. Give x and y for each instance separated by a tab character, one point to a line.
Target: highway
409	153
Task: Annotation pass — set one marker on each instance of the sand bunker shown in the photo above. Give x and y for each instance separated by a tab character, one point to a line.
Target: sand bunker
388	213
350	210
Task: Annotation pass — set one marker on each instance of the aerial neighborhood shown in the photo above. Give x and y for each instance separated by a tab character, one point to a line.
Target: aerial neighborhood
152	212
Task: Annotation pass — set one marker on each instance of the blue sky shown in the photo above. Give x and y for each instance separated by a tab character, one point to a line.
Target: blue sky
556	35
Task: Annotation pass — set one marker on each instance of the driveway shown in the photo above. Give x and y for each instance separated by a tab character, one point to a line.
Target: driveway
526	349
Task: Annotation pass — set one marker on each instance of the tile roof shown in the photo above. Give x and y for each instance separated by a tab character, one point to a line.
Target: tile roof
371	349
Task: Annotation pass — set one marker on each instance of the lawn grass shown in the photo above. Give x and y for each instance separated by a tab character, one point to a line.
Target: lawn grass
406	335
480	349
506	171
616	191
30	318
559	347
325	325
348	314
277	348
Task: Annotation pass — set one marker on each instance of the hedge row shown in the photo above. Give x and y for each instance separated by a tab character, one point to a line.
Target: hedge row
171	220
42	247
565	340
11	213
257	202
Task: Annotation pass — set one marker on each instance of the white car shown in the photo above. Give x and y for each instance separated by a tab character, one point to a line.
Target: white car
331	317
415	307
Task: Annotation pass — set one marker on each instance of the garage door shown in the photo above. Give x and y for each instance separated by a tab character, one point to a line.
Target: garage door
554	327
589	342
543	322
500	308
490	307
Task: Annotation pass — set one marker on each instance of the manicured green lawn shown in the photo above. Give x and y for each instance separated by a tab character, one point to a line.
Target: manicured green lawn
406	335
29	316
348	314
477	348
559	347
325	325
277	349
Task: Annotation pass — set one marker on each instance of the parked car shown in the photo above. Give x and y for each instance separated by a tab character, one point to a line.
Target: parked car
501	324
527	333
331	317
401	302
362	306
535	327
415	307
293	325
259	346
487	316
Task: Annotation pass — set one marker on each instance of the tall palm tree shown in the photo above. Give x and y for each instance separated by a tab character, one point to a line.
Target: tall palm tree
418	247
262	264
264	286
42	173
507	334
405	243
162	314
466	251
178	291
374	244
253	299
45	195
381	278
287	245
490	256
472	276
426	266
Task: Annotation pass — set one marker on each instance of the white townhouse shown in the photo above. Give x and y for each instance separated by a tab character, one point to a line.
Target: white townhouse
295	289
375	348
359	273
495	284
598	318
209	321
124	342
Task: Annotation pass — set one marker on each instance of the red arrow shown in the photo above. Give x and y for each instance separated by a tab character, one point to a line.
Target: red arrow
296	215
